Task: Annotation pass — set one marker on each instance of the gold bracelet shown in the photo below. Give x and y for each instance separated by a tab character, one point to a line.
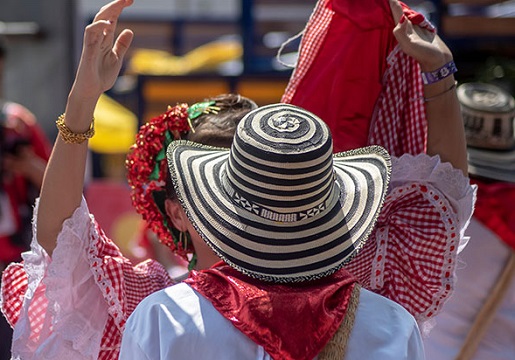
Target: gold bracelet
69	136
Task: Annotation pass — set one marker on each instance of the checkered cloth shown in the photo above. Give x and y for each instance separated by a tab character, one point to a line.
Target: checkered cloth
410	256
45	298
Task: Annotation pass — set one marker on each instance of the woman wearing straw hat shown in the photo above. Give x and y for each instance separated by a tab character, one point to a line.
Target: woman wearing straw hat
478	321
284	215
117	308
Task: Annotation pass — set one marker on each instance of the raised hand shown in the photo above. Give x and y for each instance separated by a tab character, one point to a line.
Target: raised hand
423	45
102	55
100	63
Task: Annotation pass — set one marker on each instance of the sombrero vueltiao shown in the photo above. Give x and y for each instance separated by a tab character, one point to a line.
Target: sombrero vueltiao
489	118
279	206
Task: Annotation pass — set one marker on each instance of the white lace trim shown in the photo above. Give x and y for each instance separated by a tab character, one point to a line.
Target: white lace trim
115	307
444	177
377	276
67	334
71	327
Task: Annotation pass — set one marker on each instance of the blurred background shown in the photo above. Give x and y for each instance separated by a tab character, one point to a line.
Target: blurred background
182	46
185	50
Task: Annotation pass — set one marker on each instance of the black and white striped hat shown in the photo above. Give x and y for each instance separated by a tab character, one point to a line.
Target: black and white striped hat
489	117
279	206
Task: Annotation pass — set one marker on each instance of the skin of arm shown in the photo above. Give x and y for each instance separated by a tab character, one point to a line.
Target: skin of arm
99	66
446	135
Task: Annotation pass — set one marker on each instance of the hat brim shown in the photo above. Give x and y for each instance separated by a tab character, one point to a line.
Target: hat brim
492	164
318	243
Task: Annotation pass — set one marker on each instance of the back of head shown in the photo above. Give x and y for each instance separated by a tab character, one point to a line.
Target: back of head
216	127
211	122
488	114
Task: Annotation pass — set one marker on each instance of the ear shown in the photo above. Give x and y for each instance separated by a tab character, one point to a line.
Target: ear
176	214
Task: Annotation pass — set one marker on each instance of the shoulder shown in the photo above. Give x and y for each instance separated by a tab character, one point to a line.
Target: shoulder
179	296
383	330
383	310
178	320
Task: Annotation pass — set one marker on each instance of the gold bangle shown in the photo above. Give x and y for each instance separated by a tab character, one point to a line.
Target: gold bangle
69	136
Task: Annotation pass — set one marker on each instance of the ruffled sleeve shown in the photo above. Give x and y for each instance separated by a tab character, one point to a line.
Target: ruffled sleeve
411	255
75	304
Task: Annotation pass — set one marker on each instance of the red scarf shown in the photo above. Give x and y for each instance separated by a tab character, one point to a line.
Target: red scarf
291	322
495	208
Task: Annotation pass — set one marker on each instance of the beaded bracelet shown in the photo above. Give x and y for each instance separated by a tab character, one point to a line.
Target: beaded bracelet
431	77
69	136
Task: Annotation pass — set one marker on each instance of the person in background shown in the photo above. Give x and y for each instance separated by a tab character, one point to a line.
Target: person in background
478	321
24	152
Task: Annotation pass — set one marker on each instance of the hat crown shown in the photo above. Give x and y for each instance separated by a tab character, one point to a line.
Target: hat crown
280	165
279	206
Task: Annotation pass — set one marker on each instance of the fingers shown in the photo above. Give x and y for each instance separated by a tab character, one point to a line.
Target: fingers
402	31
396	9
112	11
99	35
123	43
96	38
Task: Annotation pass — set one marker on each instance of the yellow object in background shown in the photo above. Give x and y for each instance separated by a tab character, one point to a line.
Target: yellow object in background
115	127
203	58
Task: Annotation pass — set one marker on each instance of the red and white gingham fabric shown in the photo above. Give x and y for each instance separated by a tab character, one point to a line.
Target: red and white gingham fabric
312	40
410	256
119	284
123	285
12	295
399	122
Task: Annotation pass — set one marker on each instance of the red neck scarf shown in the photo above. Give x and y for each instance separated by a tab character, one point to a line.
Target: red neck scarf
291	322
495	208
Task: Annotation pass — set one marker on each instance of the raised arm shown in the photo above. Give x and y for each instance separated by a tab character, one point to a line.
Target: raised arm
98	69
446	136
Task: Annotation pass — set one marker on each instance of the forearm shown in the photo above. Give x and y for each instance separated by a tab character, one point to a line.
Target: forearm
63	182
445	132
101	60
446	135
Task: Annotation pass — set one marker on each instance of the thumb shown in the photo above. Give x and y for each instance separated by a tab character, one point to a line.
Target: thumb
401	31
396	10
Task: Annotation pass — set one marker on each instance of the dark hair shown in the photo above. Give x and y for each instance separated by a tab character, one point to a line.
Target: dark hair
216	129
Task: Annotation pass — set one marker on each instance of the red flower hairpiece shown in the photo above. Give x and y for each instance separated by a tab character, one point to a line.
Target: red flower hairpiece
146	170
